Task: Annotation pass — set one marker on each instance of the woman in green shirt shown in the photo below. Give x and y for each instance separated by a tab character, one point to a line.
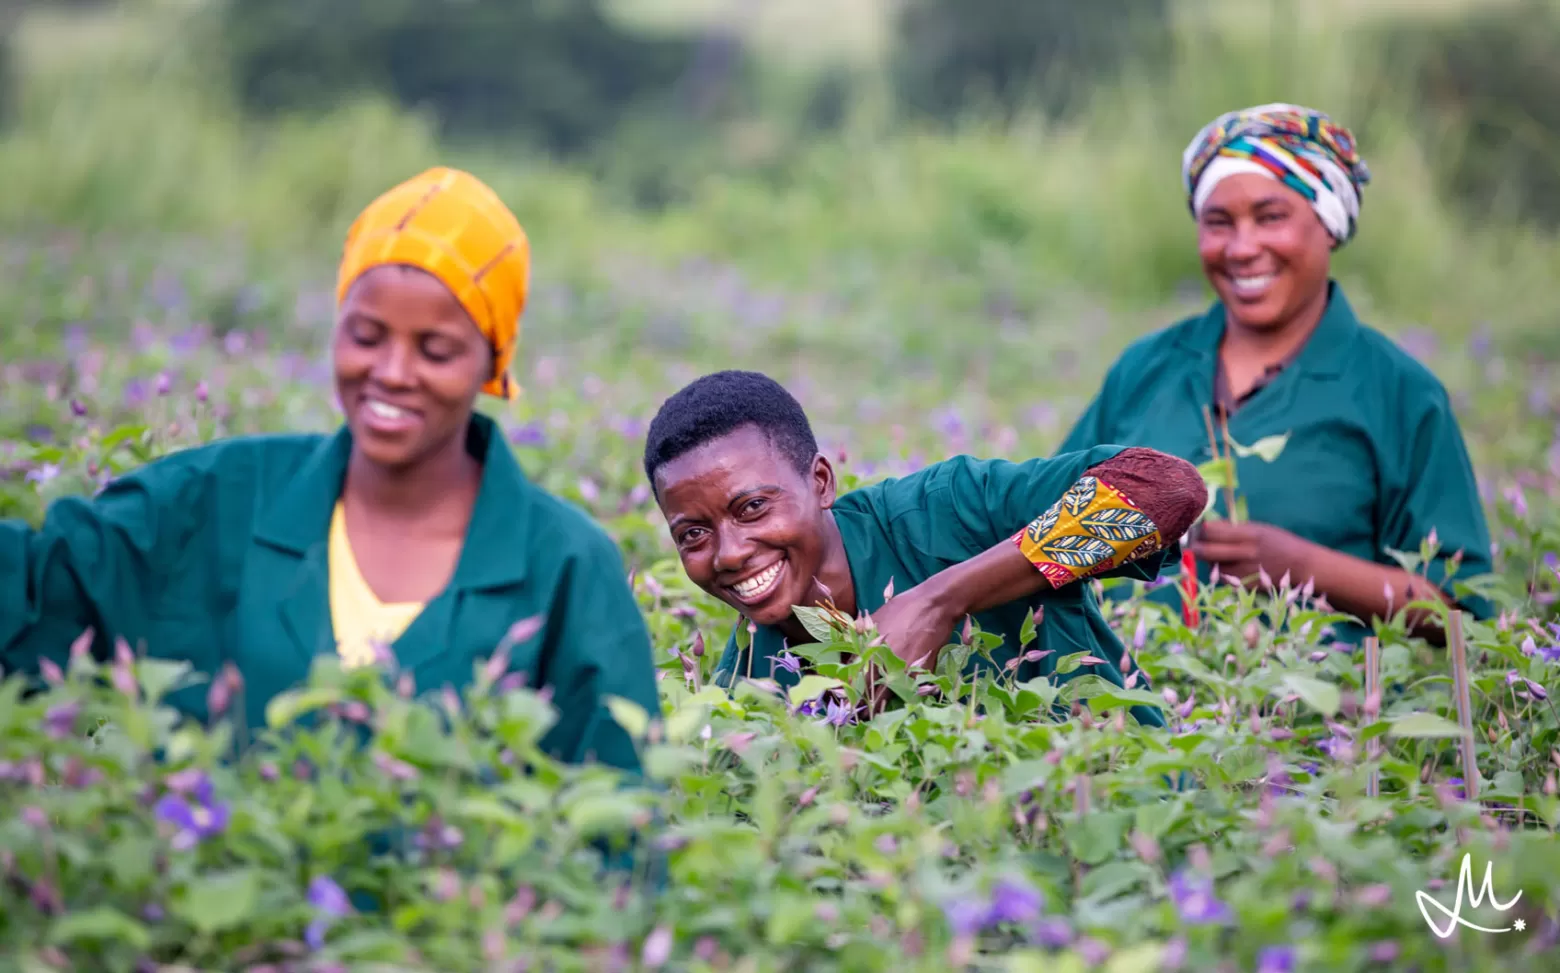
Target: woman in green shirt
753	511
410	534
1375	461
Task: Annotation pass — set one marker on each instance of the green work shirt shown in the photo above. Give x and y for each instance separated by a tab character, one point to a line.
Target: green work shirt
906	530
1375	458
218	554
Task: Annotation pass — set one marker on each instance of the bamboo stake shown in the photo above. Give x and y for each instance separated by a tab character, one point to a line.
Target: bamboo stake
1459	647
1373	692
1229	460
1229	465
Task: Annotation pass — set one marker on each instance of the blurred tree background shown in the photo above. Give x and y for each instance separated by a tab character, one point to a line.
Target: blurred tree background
1016	148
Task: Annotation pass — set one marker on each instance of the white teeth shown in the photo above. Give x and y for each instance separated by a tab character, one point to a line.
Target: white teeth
759	582
1252	283
385	410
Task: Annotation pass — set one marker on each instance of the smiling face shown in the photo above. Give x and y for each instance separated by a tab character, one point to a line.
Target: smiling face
749	528
1264	250
409	364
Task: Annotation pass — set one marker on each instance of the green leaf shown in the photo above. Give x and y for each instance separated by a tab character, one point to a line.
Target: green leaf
1217	473
122	434
100	923
159	677
285	708
811	687
131	862
1068	663
598	814
629	715
686	721
1267	448
1116	697
212	903
1098	836
1114	878
1507	783
789	919
817	623
1141	958
487	810
1320	696
1425	726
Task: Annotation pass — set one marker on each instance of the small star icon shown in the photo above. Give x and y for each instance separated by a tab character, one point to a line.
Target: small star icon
1519	925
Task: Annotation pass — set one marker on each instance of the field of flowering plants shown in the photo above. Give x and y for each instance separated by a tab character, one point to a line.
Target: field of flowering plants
984	827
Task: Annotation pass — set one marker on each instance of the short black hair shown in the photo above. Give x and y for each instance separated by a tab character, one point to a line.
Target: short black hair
722	402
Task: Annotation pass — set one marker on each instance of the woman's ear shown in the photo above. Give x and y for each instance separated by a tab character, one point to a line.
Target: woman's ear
825	487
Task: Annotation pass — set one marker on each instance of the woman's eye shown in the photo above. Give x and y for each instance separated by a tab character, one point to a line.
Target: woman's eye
439	350
754	506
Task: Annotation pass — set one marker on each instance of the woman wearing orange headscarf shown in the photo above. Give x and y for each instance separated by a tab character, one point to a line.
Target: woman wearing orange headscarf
410	536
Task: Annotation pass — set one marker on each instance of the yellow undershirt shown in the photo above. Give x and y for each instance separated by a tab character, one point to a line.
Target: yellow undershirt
359	617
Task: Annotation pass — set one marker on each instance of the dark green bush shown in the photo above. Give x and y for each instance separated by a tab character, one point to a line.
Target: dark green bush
561	74
1492	76
1014	54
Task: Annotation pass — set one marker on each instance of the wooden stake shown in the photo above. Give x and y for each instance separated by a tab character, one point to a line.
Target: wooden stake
1229	460
1460	690
1229	464
1373	691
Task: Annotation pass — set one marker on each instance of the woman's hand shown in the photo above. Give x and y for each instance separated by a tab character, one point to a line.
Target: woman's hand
916	624
1247	550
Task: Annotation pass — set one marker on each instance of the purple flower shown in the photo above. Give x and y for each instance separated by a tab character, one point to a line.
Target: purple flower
438	836
1385	951
1276	959
192	822
530	434
331	903
1015	901
1194	899
838	714
966	917
1052	932
789	662
657	947
60	721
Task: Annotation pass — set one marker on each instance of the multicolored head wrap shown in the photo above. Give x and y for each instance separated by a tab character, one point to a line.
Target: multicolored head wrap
450	224
1301	148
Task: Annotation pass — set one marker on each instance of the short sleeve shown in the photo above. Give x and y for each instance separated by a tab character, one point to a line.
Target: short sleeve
599	648
1433	489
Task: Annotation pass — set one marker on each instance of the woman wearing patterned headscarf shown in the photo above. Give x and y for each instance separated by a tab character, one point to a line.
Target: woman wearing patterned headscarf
1374	462
409	537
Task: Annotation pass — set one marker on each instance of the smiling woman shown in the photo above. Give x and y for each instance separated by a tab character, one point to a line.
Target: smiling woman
410	537
1375	462
753	510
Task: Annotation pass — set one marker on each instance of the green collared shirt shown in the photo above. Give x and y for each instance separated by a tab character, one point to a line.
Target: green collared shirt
1375	458
219	554
906	530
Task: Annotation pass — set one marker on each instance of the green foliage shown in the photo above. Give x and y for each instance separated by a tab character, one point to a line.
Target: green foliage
954	55
765	832
1490	75
560	74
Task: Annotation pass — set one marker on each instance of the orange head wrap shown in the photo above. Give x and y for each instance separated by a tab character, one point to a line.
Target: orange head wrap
450	224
